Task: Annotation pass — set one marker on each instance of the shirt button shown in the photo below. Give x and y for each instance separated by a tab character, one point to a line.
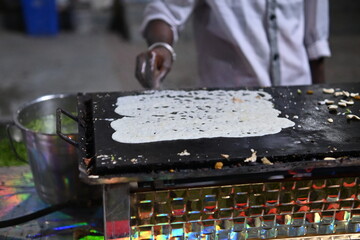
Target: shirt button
272	17
276	56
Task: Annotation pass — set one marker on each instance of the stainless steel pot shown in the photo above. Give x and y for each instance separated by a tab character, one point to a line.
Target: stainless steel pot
53	162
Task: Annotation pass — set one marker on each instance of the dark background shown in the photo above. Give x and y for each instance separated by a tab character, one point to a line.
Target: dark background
91	54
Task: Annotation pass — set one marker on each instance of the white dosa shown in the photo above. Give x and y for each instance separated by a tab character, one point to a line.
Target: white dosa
173	115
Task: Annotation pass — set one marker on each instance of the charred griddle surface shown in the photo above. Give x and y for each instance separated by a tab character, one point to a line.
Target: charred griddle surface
309	141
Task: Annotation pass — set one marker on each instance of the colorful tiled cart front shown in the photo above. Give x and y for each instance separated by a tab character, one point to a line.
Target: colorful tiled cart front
249	211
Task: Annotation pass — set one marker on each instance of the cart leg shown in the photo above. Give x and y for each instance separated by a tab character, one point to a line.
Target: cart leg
117	211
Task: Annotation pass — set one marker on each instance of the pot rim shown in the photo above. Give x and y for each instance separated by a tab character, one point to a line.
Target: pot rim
38	100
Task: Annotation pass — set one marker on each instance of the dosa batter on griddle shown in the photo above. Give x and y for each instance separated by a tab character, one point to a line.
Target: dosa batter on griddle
174	115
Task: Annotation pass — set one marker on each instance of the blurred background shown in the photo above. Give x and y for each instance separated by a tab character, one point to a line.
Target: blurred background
91	45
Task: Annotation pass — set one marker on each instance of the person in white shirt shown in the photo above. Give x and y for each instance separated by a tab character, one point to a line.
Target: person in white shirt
239	42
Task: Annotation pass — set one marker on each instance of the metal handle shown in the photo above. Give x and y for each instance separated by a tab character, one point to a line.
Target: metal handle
60	111
8	127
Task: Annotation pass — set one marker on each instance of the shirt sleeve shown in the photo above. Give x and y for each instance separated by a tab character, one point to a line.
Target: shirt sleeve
173	12
317	28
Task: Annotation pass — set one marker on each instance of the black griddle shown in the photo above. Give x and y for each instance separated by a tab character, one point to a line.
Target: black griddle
303	146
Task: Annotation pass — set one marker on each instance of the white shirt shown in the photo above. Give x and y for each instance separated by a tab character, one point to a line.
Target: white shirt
250	42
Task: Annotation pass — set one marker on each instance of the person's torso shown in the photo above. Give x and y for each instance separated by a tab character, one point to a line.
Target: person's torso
239	42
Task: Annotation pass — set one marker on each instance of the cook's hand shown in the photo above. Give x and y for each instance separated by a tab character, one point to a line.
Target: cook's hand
152	67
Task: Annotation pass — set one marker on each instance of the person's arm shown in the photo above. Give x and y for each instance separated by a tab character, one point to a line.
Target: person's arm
162	22
316	37
153	65
317	68
158	31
